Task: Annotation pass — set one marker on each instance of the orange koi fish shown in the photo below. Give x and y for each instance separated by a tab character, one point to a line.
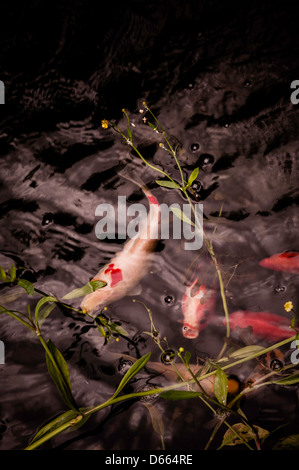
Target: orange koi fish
128	267
287	261
265	325
196	309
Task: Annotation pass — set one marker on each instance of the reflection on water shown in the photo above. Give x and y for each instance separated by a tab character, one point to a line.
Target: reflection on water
224	99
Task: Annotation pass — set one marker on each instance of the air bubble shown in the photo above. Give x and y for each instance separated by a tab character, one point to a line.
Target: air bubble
279	289
205	159
194	147
169	299
124	366
148	398
47	219
168	356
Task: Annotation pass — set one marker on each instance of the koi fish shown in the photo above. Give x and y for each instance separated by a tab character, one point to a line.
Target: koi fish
264	325
169	372
287	261
196	309
128	267
272	361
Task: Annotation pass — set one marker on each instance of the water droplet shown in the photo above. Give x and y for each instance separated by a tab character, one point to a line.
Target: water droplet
47	219
124	365
205	159
279	289
169	299
168	356
194	147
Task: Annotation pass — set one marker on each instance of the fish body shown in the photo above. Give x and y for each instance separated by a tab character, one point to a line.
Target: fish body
173	371
124	272
196	309
287	261
265	325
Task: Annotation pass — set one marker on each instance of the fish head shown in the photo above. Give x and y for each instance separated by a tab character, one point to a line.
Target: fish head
190	332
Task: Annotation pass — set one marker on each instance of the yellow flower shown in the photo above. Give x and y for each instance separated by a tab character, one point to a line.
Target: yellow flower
105	123
181	349
288	306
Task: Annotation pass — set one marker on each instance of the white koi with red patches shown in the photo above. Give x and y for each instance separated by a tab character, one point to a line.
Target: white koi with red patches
196	309
128	267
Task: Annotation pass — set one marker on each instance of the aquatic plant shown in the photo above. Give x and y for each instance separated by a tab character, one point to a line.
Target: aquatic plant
223	402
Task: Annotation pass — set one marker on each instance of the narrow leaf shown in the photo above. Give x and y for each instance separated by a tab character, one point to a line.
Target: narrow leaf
13	273
86	289
168	184
180	215
54	424
156	417
27	285
175	395
129	133
3	276
134	369
290	380
45	312
187	357
60	374
221	386
39	305
152	125
118	329
193	176
246	351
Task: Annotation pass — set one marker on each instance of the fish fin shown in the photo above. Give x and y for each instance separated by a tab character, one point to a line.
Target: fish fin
136	179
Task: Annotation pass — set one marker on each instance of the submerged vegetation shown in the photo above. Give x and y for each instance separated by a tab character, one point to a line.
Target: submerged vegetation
209	382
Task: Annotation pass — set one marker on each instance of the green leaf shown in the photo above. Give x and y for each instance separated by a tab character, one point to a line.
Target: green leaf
130	133
118	329
193	176
246	351
13	273
54	424
60	374
86	289
45	312
152	125
3	276
293	322
180	215
175	395
187	357
27	285
287	443
134	369
245	432
39	305
290	380
221	386
168	184
156	417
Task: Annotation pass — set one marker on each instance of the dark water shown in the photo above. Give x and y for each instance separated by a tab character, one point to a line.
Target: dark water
217	75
